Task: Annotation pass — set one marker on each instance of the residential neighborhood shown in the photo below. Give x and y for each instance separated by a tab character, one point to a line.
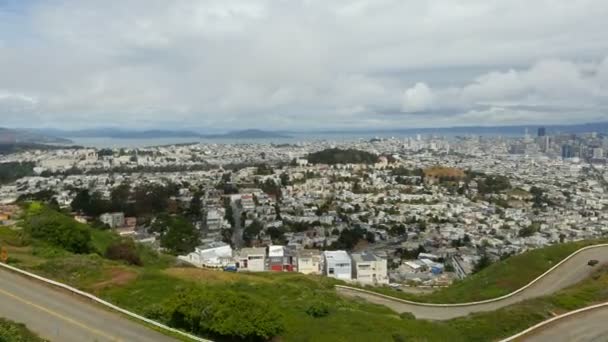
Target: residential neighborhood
420	210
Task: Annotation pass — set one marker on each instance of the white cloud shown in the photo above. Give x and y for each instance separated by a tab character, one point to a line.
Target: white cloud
301	63
417	99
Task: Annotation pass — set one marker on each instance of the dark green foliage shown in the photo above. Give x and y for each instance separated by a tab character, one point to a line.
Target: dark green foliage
407	316
350	237
125	251
90	204
11	171
264	170
339	156
178	235
482	263
252	231
318	309
530	230
223	313
57	229
16	332
277	235
493	184
271	187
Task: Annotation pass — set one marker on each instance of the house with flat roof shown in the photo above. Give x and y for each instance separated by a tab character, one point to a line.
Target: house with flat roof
337	264
251	259
369	268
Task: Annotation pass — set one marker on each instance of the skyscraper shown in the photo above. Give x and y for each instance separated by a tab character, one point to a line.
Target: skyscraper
542	131
567	151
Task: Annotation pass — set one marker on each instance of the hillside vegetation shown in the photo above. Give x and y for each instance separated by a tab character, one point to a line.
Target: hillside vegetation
500	278
16	332
292	307
338	156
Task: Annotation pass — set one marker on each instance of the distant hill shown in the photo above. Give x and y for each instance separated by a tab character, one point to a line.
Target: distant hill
599	127
248	134
157	133
120	133
19	136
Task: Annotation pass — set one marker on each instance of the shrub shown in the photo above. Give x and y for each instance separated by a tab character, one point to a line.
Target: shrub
318	309
125	251
57	229
407	316
226	314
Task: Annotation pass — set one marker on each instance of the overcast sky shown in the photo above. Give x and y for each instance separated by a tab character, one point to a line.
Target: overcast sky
302	64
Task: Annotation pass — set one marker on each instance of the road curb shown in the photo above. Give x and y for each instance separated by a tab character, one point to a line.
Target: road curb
509	295
102	302
551	320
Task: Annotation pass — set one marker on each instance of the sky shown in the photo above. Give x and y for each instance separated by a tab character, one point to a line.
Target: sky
301	64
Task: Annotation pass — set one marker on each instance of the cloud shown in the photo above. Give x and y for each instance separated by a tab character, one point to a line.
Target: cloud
304	63
554	90
417	99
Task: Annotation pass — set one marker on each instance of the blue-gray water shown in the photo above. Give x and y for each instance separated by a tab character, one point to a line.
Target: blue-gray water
294	139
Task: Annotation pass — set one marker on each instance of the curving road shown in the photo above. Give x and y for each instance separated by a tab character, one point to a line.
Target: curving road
588	326
568	273
59	316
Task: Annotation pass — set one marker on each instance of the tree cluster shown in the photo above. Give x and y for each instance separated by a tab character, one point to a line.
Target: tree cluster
338	156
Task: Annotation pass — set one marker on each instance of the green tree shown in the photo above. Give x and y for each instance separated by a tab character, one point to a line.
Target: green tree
180	236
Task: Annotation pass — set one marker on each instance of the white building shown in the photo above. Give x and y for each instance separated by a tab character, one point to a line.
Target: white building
337	264
215	255
113	220
369	268
309	261
214	220
252	259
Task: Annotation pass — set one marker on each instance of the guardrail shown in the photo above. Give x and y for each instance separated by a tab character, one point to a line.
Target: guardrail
481	301
551	320
102	302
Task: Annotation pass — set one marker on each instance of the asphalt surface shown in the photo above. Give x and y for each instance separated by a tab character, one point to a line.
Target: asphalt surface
59	316
589	326
569	273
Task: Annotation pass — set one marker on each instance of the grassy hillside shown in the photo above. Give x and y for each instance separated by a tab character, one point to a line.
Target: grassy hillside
500	278
235	306
16	332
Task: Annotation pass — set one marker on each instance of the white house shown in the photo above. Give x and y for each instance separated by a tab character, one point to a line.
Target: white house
309	261
252	259
369	268
337	264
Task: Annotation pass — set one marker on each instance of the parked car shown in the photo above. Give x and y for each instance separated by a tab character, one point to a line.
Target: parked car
592	262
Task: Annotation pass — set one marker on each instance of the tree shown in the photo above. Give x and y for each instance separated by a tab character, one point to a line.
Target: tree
252	232
120	196
482	263
180	236
124	250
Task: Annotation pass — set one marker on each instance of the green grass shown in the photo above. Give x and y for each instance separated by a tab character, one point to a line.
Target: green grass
147	289
16	332
498	279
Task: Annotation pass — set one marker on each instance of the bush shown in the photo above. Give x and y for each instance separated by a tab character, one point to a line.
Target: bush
318	309
226	314
407	316
57	229
125	251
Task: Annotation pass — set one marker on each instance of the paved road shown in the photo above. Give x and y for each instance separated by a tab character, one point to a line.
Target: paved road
589	327
569	273
59	316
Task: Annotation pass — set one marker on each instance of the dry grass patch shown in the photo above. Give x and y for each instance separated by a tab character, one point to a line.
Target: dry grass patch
116	276
213	276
